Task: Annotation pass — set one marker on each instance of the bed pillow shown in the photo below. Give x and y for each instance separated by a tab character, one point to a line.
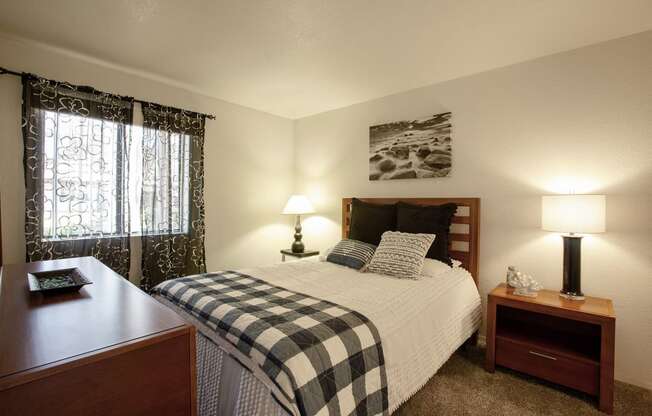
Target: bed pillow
370	221
434	219
433	268
401	254
324	254
351	253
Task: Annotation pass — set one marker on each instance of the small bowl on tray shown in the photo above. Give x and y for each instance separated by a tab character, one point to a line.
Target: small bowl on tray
57	281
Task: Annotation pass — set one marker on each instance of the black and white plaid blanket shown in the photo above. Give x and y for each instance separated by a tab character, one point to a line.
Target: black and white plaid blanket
327	358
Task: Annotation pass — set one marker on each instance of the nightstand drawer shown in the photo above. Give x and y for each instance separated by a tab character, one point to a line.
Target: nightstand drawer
583	375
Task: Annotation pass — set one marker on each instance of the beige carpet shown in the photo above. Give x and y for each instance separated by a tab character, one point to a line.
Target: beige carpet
462	387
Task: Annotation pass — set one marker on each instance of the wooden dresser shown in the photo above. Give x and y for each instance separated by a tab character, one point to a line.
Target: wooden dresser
109	349
560	340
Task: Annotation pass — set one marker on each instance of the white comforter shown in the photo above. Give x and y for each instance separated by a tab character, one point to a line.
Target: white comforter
421	323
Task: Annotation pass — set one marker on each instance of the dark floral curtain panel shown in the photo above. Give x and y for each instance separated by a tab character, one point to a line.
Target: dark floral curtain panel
172	196
76	143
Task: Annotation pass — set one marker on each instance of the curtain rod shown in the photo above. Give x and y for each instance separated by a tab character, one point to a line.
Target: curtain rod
5	71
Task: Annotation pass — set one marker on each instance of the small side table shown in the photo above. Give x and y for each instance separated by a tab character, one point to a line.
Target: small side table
306	253
569	342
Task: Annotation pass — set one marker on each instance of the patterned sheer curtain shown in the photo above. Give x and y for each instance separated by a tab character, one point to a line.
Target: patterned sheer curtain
76	145
172	195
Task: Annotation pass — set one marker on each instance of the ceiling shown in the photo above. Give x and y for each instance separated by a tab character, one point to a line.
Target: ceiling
295	58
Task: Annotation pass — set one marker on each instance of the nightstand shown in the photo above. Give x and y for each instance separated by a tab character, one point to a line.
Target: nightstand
306	253
563	341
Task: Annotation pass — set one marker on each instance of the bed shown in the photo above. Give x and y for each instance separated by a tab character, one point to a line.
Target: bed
420	323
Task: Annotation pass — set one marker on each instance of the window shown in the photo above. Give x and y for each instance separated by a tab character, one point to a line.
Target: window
161	174
99	176
82	176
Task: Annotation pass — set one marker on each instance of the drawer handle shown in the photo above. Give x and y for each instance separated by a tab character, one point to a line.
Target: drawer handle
538	354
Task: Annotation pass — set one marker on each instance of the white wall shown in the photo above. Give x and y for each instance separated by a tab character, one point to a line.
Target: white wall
248	158
583	117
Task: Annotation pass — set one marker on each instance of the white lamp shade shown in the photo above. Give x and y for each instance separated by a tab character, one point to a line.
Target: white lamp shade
573	213
298	204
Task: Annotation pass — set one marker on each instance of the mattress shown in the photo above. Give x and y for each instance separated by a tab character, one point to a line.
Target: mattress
420	322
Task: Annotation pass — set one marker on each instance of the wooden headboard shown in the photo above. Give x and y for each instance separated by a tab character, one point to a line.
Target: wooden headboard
465	228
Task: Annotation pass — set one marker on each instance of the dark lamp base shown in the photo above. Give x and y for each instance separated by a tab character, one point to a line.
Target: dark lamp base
570	296
297	245
572	288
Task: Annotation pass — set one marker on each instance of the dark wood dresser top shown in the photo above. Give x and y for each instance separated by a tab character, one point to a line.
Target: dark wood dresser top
38	330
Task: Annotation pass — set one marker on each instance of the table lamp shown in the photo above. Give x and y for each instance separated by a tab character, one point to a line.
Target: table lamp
573	214
297	205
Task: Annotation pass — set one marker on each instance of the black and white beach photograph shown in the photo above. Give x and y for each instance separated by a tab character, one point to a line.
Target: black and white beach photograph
411	149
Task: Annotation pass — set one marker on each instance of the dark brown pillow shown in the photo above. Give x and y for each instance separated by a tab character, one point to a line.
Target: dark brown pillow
434	219
370	221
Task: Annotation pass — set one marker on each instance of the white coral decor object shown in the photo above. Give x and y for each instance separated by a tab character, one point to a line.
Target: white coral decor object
523	284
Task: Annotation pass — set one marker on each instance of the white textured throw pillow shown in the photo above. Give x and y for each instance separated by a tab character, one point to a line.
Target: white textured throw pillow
433	268
401	254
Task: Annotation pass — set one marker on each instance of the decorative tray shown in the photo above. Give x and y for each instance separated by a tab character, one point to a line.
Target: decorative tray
57	281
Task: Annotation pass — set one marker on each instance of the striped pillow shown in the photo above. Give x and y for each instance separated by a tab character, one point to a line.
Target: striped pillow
401	254
351	253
